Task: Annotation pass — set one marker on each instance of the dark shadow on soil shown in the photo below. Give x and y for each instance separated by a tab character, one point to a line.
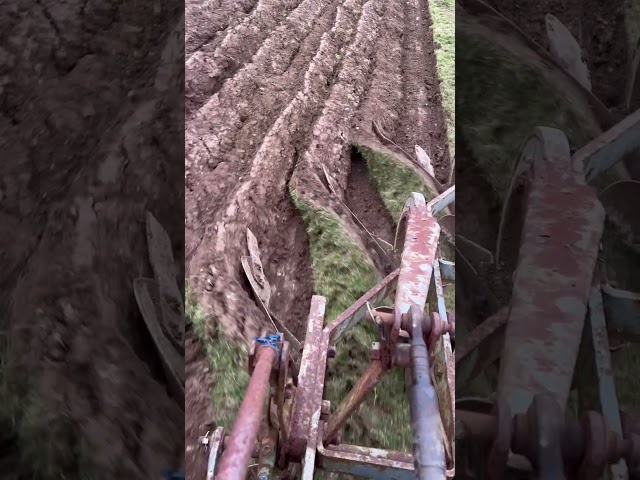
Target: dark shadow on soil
365	202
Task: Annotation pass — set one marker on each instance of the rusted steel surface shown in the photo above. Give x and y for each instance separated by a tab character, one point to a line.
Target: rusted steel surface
236	457
448	270
367	382
620	201
559	246
356	312
267	456
395	455
609	148
303	405
444	372
622	310
366	462
442	201
419	232
482	346
315	436
607	397
215	444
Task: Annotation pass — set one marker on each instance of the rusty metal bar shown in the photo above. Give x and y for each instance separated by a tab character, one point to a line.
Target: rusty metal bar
236	457
419	232
215	444
607	397
622	310
366	462
561	234
442	201
367	382
609	148
481	347
303	405
314	442
356	312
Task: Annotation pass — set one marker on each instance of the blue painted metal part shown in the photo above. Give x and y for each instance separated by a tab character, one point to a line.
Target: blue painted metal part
366	462
609	148
448	270
622	310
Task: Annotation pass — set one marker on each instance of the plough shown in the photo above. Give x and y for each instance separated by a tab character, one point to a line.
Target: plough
286	425
553	338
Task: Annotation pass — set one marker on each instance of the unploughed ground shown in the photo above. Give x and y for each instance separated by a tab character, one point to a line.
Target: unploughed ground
274	91
89	145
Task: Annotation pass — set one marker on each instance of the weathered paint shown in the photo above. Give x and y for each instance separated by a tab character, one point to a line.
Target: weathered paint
419	232
448	270
559	245
606	385
442	201
303	405
366	462
609	148
356	312
215	448
444	365
315	435
481	347
236	457
622	310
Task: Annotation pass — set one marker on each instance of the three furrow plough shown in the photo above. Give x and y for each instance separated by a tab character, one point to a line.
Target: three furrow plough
286	425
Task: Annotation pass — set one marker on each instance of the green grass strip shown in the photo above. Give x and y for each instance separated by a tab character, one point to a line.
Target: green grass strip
444	34
342	273
227	362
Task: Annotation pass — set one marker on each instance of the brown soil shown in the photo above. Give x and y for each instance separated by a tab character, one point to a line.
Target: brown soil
366	204
271	100
599	28
90	144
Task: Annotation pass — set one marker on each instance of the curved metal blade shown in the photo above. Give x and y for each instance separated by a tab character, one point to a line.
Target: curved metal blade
620	202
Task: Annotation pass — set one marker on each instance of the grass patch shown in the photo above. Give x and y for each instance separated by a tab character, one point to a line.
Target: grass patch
41	443
227	362
394	181
444	34
342	273
502	102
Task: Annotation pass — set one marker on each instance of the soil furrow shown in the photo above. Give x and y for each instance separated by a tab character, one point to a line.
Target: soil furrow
204	20
251	133
382	102
214	269
78	341
261	200
207	69
423	120
212	132
330	141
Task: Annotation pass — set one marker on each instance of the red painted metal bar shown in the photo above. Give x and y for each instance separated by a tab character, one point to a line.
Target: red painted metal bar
237	455
356	312
419	232
356	396
558	253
